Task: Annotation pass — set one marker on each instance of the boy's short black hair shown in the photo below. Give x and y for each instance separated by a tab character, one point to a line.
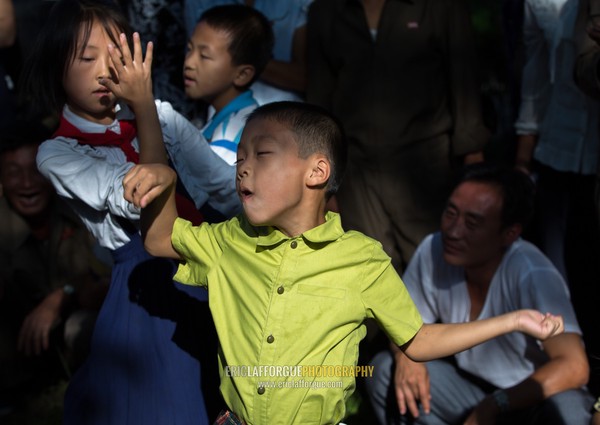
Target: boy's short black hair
250	32
56	47
516	188
316	130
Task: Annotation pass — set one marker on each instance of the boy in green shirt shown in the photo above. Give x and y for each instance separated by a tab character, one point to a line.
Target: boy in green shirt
289	290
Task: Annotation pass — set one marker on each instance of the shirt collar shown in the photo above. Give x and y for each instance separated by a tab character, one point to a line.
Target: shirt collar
122	113
240	102
329	231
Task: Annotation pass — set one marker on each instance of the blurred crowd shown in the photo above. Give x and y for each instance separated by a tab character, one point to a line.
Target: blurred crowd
422	88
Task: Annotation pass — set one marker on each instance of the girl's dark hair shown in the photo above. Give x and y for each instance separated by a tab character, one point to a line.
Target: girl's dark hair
57	46
251	37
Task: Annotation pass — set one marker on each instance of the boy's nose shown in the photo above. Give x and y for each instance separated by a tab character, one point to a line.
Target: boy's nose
242	170
241	173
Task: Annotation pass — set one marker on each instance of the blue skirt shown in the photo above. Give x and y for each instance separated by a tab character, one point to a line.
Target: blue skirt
144	362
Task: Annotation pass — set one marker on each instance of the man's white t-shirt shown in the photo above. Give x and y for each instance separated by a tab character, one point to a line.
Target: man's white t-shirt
525	279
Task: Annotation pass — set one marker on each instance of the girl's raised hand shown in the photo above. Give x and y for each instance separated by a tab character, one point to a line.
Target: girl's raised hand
132	77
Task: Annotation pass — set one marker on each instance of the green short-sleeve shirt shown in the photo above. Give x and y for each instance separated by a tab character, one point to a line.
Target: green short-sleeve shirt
290	312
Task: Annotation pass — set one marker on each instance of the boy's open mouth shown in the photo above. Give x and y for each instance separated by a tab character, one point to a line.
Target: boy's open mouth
245	193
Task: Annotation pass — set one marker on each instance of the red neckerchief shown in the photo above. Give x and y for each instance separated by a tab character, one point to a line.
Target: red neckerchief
108	138
185	207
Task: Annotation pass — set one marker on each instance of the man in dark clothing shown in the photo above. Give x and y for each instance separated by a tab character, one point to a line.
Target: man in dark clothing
400	75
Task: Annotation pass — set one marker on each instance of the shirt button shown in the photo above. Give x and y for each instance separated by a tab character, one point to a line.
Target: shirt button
270	339
280	290
294	244
260	390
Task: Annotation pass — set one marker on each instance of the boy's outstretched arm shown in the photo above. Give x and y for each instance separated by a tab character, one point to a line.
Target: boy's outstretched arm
444	339
152	188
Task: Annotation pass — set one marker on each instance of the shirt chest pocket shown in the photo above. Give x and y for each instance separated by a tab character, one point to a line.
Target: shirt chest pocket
313	303
321	291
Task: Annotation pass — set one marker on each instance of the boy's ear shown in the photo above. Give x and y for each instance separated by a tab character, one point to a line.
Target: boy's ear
245	74
319	172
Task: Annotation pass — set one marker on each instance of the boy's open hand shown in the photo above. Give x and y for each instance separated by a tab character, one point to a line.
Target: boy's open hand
144	183
132	76
539	325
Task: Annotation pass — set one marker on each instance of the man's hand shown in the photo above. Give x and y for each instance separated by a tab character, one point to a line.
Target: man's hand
34	337
539	325
132	79
145	182
411	383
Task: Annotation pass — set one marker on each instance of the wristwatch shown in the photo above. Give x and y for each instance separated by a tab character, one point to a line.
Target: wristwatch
69	289
501	399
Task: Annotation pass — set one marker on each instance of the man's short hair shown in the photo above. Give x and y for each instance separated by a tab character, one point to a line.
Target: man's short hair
316	131
22	133
516	188
250	32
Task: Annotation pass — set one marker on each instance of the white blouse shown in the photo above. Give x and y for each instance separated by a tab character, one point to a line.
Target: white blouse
90	178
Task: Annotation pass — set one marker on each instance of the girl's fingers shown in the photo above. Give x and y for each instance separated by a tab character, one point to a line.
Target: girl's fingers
137	49
149	55
115	58
127	60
